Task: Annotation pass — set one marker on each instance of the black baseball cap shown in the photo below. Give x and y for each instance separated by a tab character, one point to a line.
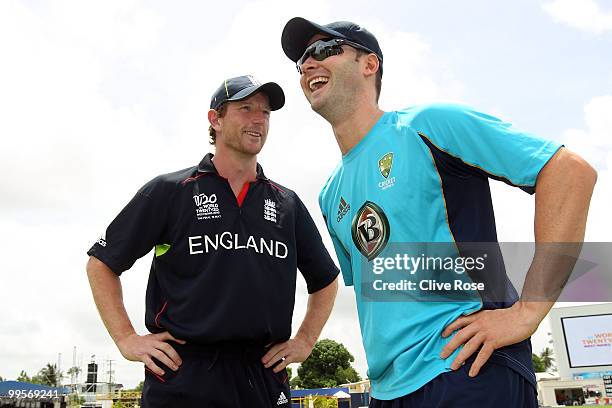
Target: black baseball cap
298	31
239	88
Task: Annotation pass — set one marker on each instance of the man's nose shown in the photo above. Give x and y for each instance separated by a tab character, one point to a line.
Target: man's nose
259	117
310	63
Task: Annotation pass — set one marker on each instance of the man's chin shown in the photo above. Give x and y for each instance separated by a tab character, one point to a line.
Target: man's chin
252	150
322	108
317	106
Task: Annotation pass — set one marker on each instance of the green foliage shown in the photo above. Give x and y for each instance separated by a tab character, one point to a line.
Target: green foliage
37	380
24	377
543	362
138	388
538	366
73	371
75	401
325	402
546	356
329	365
294	383
48	375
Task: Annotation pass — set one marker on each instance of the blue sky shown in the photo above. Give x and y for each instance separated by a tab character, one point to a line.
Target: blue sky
99	97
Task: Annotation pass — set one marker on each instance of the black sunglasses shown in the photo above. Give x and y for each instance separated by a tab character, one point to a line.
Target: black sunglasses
322	49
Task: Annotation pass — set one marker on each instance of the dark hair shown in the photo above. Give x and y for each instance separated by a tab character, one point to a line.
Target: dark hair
361	53
220	113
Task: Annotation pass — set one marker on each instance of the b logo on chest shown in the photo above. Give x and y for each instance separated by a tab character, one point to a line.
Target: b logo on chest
370	230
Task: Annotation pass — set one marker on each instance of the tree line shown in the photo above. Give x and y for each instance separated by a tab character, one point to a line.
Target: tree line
329	365
48	375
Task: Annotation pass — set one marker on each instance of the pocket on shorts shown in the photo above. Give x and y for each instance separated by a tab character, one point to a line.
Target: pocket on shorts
278	387
168	375
282	376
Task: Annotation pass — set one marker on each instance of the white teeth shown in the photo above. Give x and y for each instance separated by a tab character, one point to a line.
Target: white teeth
317	80
257	134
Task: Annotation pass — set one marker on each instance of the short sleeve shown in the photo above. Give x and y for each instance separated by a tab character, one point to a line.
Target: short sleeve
135	230
486	143
313	259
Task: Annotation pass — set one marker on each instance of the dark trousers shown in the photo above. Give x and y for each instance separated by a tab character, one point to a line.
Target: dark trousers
225	376
495	386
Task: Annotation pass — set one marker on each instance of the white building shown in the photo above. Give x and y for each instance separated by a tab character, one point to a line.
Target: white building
582	340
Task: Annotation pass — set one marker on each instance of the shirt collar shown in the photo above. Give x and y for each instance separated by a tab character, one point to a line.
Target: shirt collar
207	166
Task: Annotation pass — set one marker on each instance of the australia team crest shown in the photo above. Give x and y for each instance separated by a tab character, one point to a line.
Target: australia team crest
385	163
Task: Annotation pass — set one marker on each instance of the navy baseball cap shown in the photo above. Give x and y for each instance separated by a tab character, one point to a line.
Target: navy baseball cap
298	31
239	88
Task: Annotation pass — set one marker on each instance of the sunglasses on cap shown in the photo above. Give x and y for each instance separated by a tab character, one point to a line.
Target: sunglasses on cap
322	49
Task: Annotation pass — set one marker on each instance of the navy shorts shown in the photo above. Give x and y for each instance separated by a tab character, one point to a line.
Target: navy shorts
495	386
226	376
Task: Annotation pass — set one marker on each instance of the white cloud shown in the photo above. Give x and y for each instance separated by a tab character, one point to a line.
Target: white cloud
414	74
59	129
582	14
593	143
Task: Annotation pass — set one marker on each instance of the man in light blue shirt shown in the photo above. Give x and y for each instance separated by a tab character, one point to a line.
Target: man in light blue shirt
417	176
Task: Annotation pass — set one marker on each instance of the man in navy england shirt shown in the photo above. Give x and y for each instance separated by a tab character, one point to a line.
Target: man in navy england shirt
420	175
227	245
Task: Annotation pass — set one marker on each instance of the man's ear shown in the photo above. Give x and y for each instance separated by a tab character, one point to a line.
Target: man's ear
372	65
214	120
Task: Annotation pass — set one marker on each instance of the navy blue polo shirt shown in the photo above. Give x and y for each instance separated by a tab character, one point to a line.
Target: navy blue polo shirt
224	267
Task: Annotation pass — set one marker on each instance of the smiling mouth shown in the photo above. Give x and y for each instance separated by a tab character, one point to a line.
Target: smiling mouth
317	83
253	133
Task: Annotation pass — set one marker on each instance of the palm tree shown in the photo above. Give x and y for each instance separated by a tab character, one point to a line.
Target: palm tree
49	375
538	367
546	356
23	377
74	372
